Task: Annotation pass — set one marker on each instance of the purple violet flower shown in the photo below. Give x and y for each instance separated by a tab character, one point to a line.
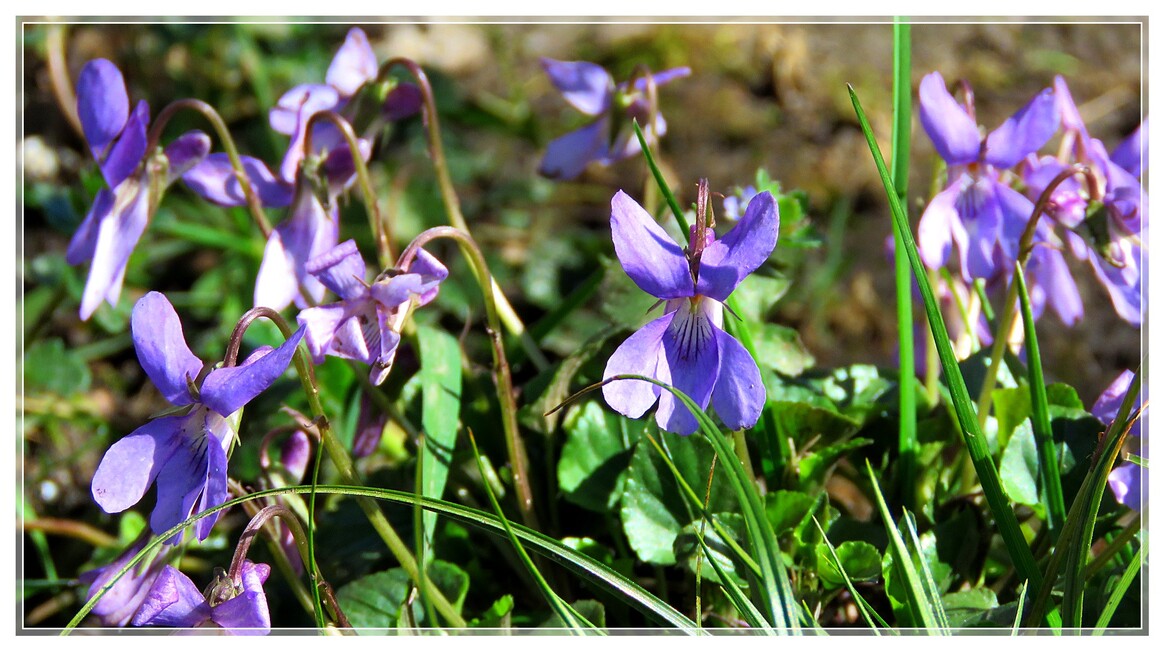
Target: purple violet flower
237	606
1128	481
120	212
185	451
364	325
309	231
591	89
687	347
353	66
977	211
123	599
214	180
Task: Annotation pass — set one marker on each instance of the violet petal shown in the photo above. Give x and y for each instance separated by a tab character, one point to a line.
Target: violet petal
648	254
954	134
725	263
102	104
161	348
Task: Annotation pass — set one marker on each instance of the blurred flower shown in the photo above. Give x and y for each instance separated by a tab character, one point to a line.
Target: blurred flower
734	203
979	213
1116	258
364	324
123	599
353	66
214	180
1127	481
134	181
591	89
309	231
370	423
185	452
687	347
237	605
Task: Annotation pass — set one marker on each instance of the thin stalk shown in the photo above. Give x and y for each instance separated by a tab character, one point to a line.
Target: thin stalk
59	76
741	445
343	463
505	311
667	193
515	447
973	436
900	171
228	144
380	229
650	190
1007	322
1041	421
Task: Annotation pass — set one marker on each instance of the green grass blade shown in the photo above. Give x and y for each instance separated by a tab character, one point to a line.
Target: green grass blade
577	625
934	597
1080	541
973	436
773	589
868	613
1041	421
663	187
1019	609
440	411
1118	593
584	566
900	171
917	598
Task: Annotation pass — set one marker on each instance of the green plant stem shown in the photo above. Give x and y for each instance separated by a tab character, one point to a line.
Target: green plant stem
1041	421
1118	592
973	436
659	180
343	463
381	230
515	448
741	445
1115	546
900	171
228	144
1007	322
505	311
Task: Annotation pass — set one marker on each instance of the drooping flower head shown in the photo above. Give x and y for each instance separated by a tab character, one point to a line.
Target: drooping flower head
687	347
591	89
185	452
982	216
238	606
134	179
1117	226
123	599
365	324
1128	480
353	66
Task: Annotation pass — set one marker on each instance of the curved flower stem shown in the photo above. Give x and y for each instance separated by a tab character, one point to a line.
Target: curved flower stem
59	76
505	311
380	229
278	554
1008	313
515	448
343	463
650	191
228	144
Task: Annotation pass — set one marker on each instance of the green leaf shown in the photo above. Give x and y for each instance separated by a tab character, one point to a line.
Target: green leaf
970	607
814	466
592	610
441	406
498	614
1019	471
780	348
859	560
652	509
1013	406
374	601
787	509
802	422
49	368
687	547
595	456
857	390
757	294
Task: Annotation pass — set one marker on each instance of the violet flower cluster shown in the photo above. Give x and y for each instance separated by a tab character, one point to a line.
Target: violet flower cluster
1128	480
608	137
365	323
982	214
687	347
186	450
118	141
